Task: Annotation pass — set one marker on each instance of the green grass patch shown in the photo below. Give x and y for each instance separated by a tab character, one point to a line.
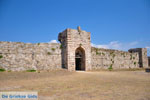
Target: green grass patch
110	68
2	70
31	70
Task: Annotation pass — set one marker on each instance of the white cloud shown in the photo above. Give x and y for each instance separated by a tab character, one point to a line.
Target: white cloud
117	45
100	46
133	43
148	47
53	41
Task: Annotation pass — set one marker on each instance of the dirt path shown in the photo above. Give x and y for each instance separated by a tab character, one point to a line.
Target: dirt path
64	85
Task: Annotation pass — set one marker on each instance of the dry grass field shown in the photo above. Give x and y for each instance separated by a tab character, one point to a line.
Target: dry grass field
64	85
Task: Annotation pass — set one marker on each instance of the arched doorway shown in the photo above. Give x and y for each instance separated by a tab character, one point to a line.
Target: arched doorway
80	59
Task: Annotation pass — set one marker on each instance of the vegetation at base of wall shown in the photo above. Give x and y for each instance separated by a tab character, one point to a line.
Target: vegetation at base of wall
110	68
9	70
134	69
53	49
2	70
49	53
31	70
1	56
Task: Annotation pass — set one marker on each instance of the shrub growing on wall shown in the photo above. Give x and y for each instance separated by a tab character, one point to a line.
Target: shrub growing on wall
49	53
103	54
134	63
53	49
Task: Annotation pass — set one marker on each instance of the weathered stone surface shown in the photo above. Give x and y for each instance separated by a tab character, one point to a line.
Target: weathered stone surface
104	58
23	56
75	50
143	59
71	40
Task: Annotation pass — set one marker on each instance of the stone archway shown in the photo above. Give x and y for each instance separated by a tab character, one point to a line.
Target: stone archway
80	59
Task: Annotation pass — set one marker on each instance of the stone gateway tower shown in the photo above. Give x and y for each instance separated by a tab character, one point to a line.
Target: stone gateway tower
76	49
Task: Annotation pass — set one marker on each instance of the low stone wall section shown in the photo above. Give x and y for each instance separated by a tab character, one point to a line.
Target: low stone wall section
106	58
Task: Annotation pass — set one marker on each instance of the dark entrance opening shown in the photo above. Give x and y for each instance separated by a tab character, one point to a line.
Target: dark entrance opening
80	59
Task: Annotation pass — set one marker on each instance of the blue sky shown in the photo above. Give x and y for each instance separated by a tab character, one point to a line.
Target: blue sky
115	24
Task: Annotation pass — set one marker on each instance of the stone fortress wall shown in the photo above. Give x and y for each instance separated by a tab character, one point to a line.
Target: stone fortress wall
74	52
17	56
105	58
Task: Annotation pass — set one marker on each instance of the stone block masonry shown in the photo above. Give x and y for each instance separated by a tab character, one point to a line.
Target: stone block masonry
76	49
106	58
143	59
74	53
17	56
